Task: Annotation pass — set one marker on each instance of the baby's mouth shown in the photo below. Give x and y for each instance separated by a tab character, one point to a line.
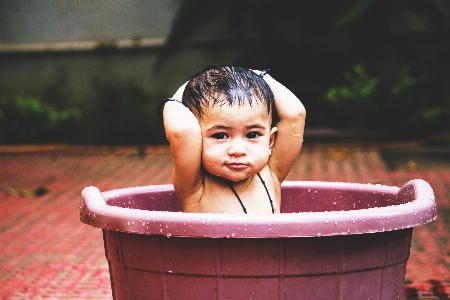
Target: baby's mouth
236	166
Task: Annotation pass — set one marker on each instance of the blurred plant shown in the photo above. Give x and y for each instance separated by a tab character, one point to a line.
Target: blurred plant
124	114
422	111
30	120
358	9
427	111
405	81
396	105
430	113
357	97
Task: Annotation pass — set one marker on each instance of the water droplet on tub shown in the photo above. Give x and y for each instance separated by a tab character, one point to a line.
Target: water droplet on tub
334	203
315	192
326	221
253	293
319	235
309	190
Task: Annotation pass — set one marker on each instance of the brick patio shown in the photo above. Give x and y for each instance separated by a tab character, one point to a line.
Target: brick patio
46	253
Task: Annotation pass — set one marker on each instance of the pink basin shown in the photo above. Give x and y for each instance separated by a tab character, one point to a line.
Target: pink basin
331	241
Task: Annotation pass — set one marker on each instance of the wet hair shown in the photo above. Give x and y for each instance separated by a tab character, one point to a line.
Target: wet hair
226	85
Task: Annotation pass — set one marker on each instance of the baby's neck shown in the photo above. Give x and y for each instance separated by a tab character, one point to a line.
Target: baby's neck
241	183
245	183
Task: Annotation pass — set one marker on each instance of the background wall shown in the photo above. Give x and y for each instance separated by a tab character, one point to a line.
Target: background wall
100	57
94	71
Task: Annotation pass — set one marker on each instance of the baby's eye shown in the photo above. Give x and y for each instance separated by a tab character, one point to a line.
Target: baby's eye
253	135
219	135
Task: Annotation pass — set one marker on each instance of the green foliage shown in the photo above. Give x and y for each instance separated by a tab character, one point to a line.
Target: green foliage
429	114
391	105
29	120
124	115
405	81
357	97
419	109
355	12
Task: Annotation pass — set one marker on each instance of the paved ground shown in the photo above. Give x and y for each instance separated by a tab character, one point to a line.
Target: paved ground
46	253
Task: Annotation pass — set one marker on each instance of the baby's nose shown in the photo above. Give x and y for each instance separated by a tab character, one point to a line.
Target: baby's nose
237	147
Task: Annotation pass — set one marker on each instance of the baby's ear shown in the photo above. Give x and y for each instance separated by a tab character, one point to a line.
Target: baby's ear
273	134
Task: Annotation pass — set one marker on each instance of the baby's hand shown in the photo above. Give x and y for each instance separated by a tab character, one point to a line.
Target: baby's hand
261	73
179	93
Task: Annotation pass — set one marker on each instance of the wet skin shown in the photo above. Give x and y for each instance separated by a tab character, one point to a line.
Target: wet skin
237	140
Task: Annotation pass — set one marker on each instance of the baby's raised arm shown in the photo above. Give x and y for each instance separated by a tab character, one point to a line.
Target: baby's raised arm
291	124
184	135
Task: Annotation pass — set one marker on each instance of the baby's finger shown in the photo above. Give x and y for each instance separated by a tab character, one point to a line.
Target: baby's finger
179	93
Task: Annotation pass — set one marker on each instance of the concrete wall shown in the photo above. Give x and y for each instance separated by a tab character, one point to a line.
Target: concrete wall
52	48
77	53
30	31
29	21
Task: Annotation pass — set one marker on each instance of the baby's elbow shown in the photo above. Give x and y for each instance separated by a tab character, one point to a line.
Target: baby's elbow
304	115
297	114
301	108
301	112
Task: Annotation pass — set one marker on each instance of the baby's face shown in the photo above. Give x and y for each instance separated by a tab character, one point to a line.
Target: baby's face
237	140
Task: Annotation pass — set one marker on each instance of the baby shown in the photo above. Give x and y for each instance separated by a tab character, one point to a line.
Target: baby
229	154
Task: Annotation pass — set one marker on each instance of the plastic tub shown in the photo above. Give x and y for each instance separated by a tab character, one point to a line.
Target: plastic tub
331	241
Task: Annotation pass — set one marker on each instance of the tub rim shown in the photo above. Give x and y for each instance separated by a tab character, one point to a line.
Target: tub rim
96	212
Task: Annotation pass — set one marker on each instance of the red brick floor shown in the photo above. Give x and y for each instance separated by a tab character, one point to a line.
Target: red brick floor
46	253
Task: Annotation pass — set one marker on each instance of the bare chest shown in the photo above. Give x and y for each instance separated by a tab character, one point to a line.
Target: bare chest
255	196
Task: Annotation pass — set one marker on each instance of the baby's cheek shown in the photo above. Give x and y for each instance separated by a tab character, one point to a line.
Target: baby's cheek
262	158
208	157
